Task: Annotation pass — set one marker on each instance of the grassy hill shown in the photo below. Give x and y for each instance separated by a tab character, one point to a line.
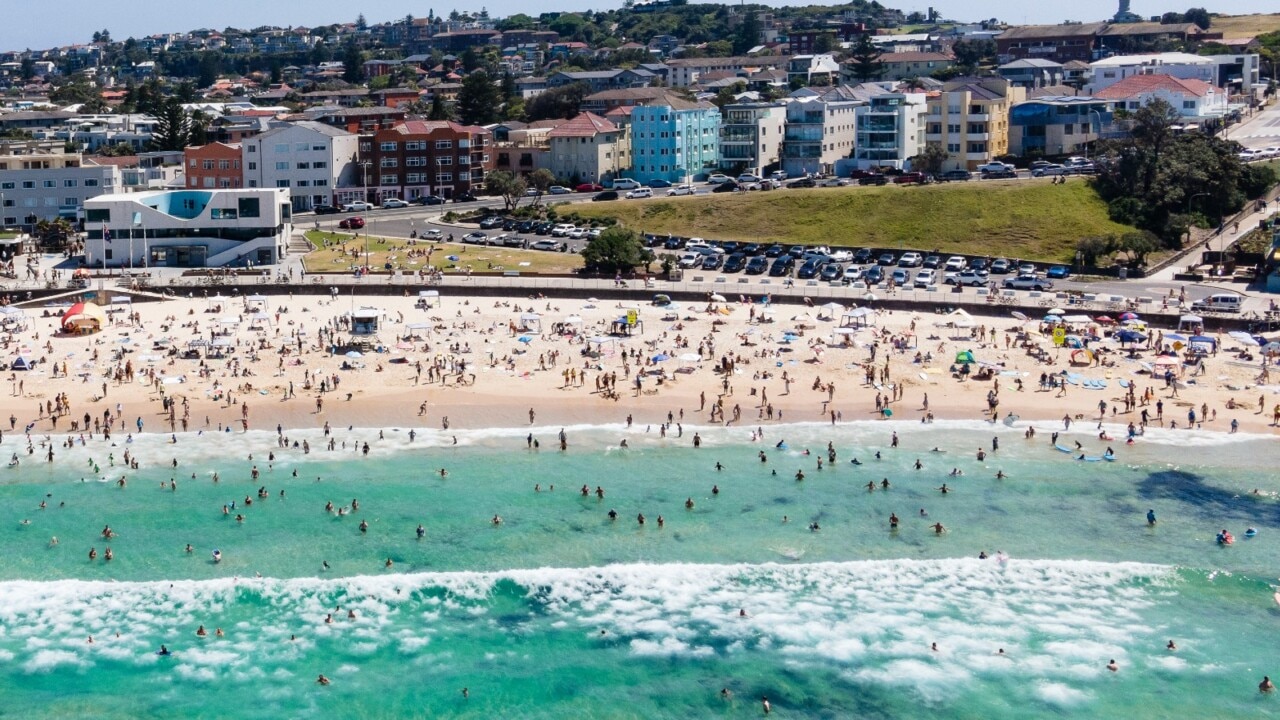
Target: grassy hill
1030	219
1242	26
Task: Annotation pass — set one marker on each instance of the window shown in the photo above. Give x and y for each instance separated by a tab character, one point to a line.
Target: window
320	165
51	202
253	166
301	183
389	162
253	183
207	164
390	180
1069	129
224	164
464	176
953	147
283	165
282	183
8	185
222	214
248	207
444	177
208	181
977	147
91	182
464	159
70	202
224	182
318	148
70	183
253	148
194	162
387	147
954	129
301	147
303	166
322	182
414	161
282	148
444	144
444	160
1188	104
415	145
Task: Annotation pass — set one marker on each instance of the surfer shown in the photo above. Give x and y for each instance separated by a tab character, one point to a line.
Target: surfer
1151	517
1170	646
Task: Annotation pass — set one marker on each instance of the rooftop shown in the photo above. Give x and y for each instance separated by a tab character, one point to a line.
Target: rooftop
1139	84
1035	32
584	125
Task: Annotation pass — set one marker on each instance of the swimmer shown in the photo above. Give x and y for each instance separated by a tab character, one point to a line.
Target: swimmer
497	520
1170	646
855	461
938	529
1151	517
799	475
163	651
1000	475
944	489
421	531
322	680
688	504
1266	685
919	465
200	632
893	521
956	472
764	703
1112	666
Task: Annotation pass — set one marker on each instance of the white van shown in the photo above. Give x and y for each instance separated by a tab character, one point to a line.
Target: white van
625	184
1220	302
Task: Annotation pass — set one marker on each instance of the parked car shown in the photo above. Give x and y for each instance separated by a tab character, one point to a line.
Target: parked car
735	263
681	190
852	274
543	228
955	263
750	249
979	264
464	197
549	245
831	272
718	178
1219	302
558	190
625	184
933	262
1048	170
873	275
510	224
1026	268
995	166
712	262
955	175
782	266
778	175
432	234
1028	282
690	260
325	210
1058	272
638	193
748	178
900	277
966	277
796	251
588	187
876	179
1001	266
809	270
475	238
910	259
352	223
491	222
430	200
655	184
841	255
833	182
998	174
604	195
594	233
577	233
803	183
562	230
726	186
775	250
911	178
525	226
509	240
862	256
926	277
357	206
886	259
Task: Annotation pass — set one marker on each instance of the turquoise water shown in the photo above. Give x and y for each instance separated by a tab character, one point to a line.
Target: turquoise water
562	612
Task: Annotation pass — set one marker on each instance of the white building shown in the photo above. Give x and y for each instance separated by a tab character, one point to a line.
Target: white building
820	129
751	136
1109	71
311	159
891	130
1192	99
188	228
46	187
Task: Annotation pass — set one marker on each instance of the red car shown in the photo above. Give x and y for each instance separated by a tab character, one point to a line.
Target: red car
918	178
354	222
589	187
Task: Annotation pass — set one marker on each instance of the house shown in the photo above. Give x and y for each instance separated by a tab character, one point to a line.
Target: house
910	64
1109	71
905	42
589	148
602	102
188	228
311	159
969	119
1199	103
359	120
600	80
423	157
685	71
1032	73
807	42
459	40
1059	43
1058	126
664	45
813	69
213	166
674	139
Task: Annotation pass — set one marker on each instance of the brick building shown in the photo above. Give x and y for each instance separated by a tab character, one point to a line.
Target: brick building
213	166
422	157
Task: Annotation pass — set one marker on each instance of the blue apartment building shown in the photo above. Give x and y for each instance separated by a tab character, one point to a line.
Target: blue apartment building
674	139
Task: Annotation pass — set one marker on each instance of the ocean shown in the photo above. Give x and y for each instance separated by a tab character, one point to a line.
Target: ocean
561	611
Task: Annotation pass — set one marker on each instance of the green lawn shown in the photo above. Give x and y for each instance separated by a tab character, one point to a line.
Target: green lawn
337	257
1029	219
1242	26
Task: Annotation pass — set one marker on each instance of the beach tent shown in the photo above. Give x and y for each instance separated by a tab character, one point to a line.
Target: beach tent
1190	323
603	345
961	319
964	356
428	298
531	322
85	316
830	309
22	363
857	317
1077	319
216	302
1130	336
257	300
1082	356
843	336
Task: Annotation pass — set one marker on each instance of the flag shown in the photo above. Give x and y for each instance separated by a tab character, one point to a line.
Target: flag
106	234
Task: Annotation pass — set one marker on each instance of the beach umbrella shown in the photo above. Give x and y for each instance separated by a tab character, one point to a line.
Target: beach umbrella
353	354
1271	348
1128	316
1175	337
1167	361
1020	316
1130	336
1052	318
525	339
717	297
1244	338
964	356
1057	311
1104	319
870	297
661	357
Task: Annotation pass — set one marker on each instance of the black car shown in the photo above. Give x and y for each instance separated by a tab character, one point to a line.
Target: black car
735	263
526	226
464	197
730	186
782	266
886	259
712	261
808	271
796	251
510	224
757	265
832	272
933	262
978	264
873	275
605	195
542	228
430	200
999	174
326	210
728	246
955	175
803	183
775	251
873	180
750	249
862	257
674	243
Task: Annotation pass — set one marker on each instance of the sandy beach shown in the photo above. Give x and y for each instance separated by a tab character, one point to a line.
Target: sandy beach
481	362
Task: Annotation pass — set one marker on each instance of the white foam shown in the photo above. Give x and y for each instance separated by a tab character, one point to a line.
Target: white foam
1060	694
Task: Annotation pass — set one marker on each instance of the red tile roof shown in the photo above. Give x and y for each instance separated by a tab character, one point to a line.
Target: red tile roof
584	125
1140	84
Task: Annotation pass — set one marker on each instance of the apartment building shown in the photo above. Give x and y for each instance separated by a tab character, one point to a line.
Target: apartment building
820	130
891	130
589	148
47	187
1058	125
422	157
751	137
312	159
969	118
674	139
213	166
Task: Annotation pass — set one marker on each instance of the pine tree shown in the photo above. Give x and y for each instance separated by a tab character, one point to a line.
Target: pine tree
173	127
864	60
478	100
439	111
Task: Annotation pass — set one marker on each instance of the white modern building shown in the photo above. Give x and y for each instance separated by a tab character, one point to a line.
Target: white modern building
188	228
1109	71
820	130
46	187
310	159
891	130
751	137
